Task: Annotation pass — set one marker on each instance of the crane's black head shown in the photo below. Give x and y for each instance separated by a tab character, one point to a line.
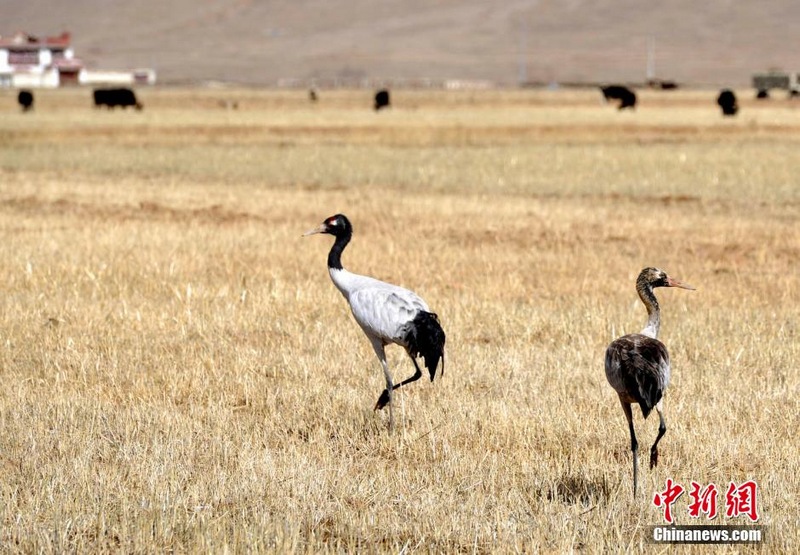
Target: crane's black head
338	226
654	277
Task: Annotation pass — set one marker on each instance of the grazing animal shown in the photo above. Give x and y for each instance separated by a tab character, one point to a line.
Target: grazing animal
637	365
382	99
228	104
626	97
727	101
662	85
25	99
111	98
312	95
387	313
762	94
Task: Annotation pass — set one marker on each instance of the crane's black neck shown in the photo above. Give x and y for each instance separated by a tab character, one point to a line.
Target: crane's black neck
335	255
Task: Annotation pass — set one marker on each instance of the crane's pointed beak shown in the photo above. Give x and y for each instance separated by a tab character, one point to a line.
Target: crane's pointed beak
322	228
678	283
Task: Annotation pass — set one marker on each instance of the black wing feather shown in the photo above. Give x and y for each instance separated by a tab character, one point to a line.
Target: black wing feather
644	367
426	338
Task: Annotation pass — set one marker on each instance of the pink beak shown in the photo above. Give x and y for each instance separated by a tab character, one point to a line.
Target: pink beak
318	229
678	283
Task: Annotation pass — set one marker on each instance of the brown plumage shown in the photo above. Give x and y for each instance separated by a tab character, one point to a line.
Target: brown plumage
637	365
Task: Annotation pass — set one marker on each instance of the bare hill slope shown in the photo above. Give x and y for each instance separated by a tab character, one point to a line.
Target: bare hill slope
717	42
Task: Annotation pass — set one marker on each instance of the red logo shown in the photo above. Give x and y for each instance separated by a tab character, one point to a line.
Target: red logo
667	497
704	500
742	500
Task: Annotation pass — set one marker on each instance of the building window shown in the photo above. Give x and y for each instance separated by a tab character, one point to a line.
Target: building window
23	57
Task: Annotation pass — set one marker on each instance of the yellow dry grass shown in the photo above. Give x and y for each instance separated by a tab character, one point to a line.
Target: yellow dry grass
179	374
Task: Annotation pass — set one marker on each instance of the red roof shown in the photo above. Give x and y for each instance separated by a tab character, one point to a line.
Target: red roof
24	41
66	65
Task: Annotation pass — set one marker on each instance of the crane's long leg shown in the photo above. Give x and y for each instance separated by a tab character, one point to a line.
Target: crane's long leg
662	429
386	396
417	375
634	445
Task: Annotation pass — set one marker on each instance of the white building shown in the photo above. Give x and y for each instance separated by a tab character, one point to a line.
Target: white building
29	62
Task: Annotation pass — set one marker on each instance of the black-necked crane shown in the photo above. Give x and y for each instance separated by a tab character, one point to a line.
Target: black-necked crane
637	365
387	313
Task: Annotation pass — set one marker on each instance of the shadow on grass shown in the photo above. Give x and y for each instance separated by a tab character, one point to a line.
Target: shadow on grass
578	489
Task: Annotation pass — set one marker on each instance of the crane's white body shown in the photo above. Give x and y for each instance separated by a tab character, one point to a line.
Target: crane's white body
383	310
387	313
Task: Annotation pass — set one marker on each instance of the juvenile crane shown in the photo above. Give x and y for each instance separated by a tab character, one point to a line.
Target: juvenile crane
387	313
637	365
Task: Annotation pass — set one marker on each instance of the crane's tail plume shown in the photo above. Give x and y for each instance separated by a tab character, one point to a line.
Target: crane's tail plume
648	393
426	338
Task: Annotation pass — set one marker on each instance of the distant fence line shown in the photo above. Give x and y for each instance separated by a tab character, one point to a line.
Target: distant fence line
375	83
445	84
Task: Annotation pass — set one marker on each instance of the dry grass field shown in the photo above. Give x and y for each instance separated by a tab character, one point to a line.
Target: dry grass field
180	375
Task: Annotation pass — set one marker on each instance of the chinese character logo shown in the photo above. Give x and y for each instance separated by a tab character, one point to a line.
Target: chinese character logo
704	500
667	498
742	500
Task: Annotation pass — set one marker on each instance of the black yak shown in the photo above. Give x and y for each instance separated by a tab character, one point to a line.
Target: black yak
25	99
111	98
658	84
626	97
381	99
727	101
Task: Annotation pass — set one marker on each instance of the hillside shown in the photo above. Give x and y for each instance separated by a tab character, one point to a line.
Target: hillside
718	42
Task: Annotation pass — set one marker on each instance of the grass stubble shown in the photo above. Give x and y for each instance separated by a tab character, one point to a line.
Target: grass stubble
180	374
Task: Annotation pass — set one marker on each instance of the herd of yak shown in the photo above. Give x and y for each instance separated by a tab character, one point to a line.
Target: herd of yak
125	97
110	98
627	98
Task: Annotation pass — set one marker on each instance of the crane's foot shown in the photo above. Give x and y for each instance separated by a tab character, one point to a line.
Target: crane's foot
653	457
383	400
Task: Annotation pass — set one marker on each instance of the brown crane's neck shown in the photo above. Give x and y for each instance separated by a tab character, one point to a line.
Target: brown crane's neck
645	291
